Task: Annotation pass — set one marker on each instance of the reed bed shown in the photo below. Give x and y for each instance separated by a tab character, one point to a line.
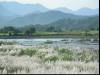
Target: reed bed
47	59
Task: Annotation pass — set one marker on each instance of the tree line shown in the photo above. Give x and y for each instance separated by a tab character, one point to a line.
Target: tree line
30	30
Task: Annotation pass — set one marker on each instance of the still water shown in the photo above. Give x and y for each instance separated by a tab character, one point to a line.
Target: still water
71	42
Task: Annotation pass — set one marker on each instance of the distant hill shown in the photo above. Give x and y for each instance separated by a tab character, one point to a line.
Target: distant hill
17	14
5	15
4	19
64	9
82	11
23	9
87	11
5	12
42	18
87	23
11	10
16	8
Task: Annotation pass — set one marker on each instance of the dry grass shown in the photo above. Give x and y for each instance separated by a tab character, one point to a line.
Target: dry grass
45	59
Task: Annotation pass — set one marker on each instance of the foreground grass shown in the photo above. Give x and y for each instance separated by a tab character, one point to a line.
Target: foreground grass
53	54
7	43
44	59
32	65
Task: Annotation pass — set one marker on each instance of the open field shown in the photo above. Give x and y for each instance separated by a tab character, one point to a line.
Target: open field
47	59
38	34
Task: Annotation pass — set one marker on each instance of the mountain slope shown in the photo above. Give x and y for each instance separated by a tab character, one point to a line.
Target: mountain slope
87	23
64	9
87	11
41	18
11	10
5	15
82	11
23	9
5	12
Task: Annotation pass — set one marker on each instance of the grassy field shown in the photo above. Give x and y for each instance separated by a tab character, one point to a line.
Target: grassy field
61	33
45	59
81	34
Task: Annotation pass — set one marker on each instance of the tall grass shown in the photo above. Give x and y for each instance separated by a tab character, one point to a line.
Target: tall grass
47	60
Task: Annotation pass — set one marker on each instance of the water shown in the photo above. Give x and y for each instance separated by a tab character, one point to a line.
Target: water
63	42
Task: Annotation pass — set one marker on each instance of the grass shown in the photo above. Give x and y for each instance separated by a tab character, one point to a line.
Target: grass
51	58
65	33
29	52
7	43
27	65
47	60
61	54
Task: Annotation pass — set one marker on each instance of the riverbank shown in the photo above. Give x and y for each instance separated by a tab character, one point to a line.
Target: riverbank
46	36
67	34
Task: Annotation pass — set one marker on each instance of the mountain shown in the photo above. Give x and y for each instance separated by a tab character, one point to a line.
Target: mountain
2	10
86	23
87	11
11	10
17	14
83	11
5	15
23	9
5	12
64	9
42	18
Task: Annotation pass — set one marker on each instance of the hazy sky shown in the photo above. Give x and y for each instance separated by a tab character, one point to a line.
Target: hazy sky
72	4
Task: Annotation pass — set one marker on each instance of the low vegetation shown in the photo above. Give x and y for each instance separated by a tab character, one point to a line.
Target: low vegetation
45	59
33	31
7	43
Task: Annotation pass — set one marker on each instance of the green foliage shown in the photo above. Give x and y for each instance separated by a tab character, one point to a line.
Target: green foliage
51	58
10	30
65	54
29	31
7	43
41	55
87	56
29	52
69	55
50	29
61	51
21	52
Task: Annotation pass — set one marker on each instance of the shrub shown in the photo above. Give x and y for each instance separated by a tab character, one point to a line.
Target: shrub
66	56
21	53
87	56
29	52
41	55
7	43
52	58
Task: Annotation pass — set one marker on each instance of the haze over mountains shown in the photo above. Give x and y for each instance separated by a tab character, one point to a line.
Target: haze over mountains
13	13
42	18
23	9
83	11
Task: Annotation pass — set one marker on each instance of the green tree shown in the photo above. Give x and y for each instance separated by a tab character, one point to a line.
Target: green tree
30	31
50	29
10	30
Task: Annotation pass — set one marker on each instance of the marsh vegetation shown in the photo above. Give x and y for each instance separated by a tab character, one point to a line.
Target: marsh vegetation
46	58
